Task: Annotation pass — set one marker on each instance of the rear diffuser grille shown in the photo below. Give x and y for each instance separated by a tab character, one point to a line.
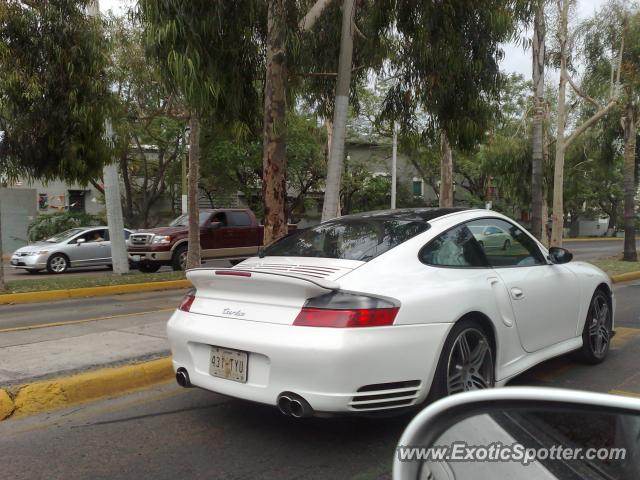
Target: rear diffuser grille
385	395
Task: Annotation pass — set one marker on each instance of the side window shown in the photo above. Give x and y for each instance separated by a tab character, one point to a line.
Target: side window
240	219
92	236
504	244
220	217
454	248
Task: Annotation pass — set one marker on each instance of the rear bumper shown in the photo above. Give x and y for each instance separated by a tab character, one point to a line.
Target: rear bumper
326	366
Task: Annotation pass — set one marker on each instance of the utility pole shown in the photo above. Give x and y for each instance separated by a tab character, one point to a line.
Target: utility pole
340	110
184	183
111	179
394	165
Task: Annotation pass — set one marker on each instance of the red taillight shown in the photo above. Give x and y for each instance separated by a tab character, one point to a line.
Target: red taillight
322	317
187	301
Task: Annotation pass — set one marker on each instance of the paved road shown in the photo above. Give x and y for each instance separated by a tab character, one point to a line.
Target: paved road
167	432
590	250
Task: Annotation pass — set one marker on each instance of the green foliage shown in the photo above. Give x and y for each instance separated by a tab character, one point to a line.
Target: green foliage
47	225
54	93
210	52
447	63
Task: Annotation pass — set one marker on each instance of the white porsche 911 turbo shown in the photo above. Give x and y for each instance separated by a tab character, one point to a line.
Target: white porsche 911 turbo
384	310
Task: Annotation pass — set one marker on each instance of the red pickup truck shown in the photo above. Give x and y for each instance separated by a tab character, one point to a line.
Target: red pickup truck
232	233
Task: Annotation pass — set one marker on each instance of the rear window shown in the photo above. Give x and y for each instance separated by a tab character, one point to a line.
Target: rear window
348	238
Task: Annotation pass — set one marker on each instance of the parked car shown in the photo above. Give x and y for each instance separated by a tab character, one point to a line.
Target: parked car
232	233
78	247
385	310
491	236
522	433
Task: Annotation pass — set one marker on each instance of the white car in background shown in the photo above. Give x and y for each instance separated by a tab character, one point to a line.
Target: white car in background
77	247
384	310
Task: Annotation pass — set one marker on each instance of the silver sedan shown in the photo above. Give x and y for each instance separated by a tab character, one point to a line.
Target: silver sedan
78	247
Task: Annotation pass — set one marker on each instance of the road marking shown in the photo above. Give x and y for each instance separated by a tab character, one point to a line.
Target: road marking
85	320
624	393
623	336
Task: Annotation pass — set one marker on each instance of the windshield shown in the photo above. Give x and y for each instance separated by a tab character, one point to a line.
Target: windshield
348	238
66	235
183	220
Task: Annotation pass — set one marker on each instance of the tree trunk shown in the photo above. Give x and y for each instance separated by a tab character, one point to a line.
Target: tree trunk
193	178
446	172
537	171
2	285
330	208
558	171
274	153
630	189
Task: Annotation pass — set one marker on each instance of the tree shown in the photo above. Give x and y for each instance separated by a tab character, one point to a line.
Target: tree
146	113
464	36
562	140
54	94
537	160
210	55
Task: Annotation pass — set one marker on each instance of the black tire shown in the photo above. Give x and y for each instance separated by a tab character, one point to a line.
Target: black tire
178	261
440	384
149	267
596	334
506	245
57	263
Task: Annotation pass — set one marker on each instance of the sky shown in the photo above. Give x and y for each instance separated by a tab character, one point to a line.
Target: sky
516	59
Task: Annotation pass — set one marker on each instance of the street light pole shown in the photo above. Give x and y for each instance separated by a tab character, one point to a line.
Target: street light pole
111	178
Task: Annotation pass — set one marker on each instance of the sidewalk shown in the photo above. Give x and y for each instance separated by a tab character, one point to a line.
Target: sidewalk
28	355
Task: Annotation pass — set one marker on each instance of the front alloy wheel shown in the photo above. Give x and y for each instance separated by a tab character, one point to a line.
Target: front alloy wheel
470	365
57	264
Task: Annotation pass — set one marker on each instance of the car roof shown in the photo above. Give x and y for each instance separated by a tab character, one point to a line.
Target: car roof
409	214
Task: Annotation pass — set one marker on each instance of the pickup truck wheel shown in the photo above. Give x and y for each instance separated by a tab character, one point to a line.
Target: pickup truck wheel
148	268
179	260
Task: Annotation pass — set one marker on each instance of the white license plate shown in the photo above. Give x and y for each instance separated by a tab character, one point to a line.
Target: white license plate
229	364
136	258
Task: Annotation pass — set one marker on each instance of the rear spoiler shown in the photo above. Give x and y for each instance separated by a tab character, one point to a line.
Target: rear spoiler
212	272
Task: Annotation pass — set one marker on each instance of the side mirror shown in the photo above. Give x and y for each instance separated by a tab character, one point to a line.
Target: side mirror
560	255
80	241
522	433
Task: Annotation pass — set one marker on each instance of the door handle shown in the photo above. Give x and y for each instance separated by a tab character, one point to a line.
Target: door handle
517	294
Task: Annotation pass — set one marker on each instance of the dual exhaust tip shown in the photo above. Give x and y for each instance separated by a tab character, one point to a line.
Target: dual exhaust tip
289	403
182	377
293	405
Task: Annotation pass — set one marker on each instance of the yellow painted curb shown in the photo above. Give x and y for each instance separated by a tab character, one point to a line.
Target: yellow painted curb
61	392
6	405
591	239
625	277
47	295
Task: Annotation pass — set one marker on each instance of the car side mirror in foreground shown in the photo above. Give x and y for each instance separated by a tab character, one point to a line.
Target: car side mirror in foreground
522	433
560	255
80	241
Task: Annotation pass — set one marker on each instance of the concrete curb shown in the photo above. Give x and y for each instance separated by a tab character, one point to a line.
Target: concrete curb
591	239
61	392
625	277
48	295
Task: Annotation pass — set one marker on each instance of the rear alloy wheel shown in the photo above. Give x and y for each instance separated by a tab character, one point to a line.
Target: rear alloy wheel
466	362
596	335
57	263
179	259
